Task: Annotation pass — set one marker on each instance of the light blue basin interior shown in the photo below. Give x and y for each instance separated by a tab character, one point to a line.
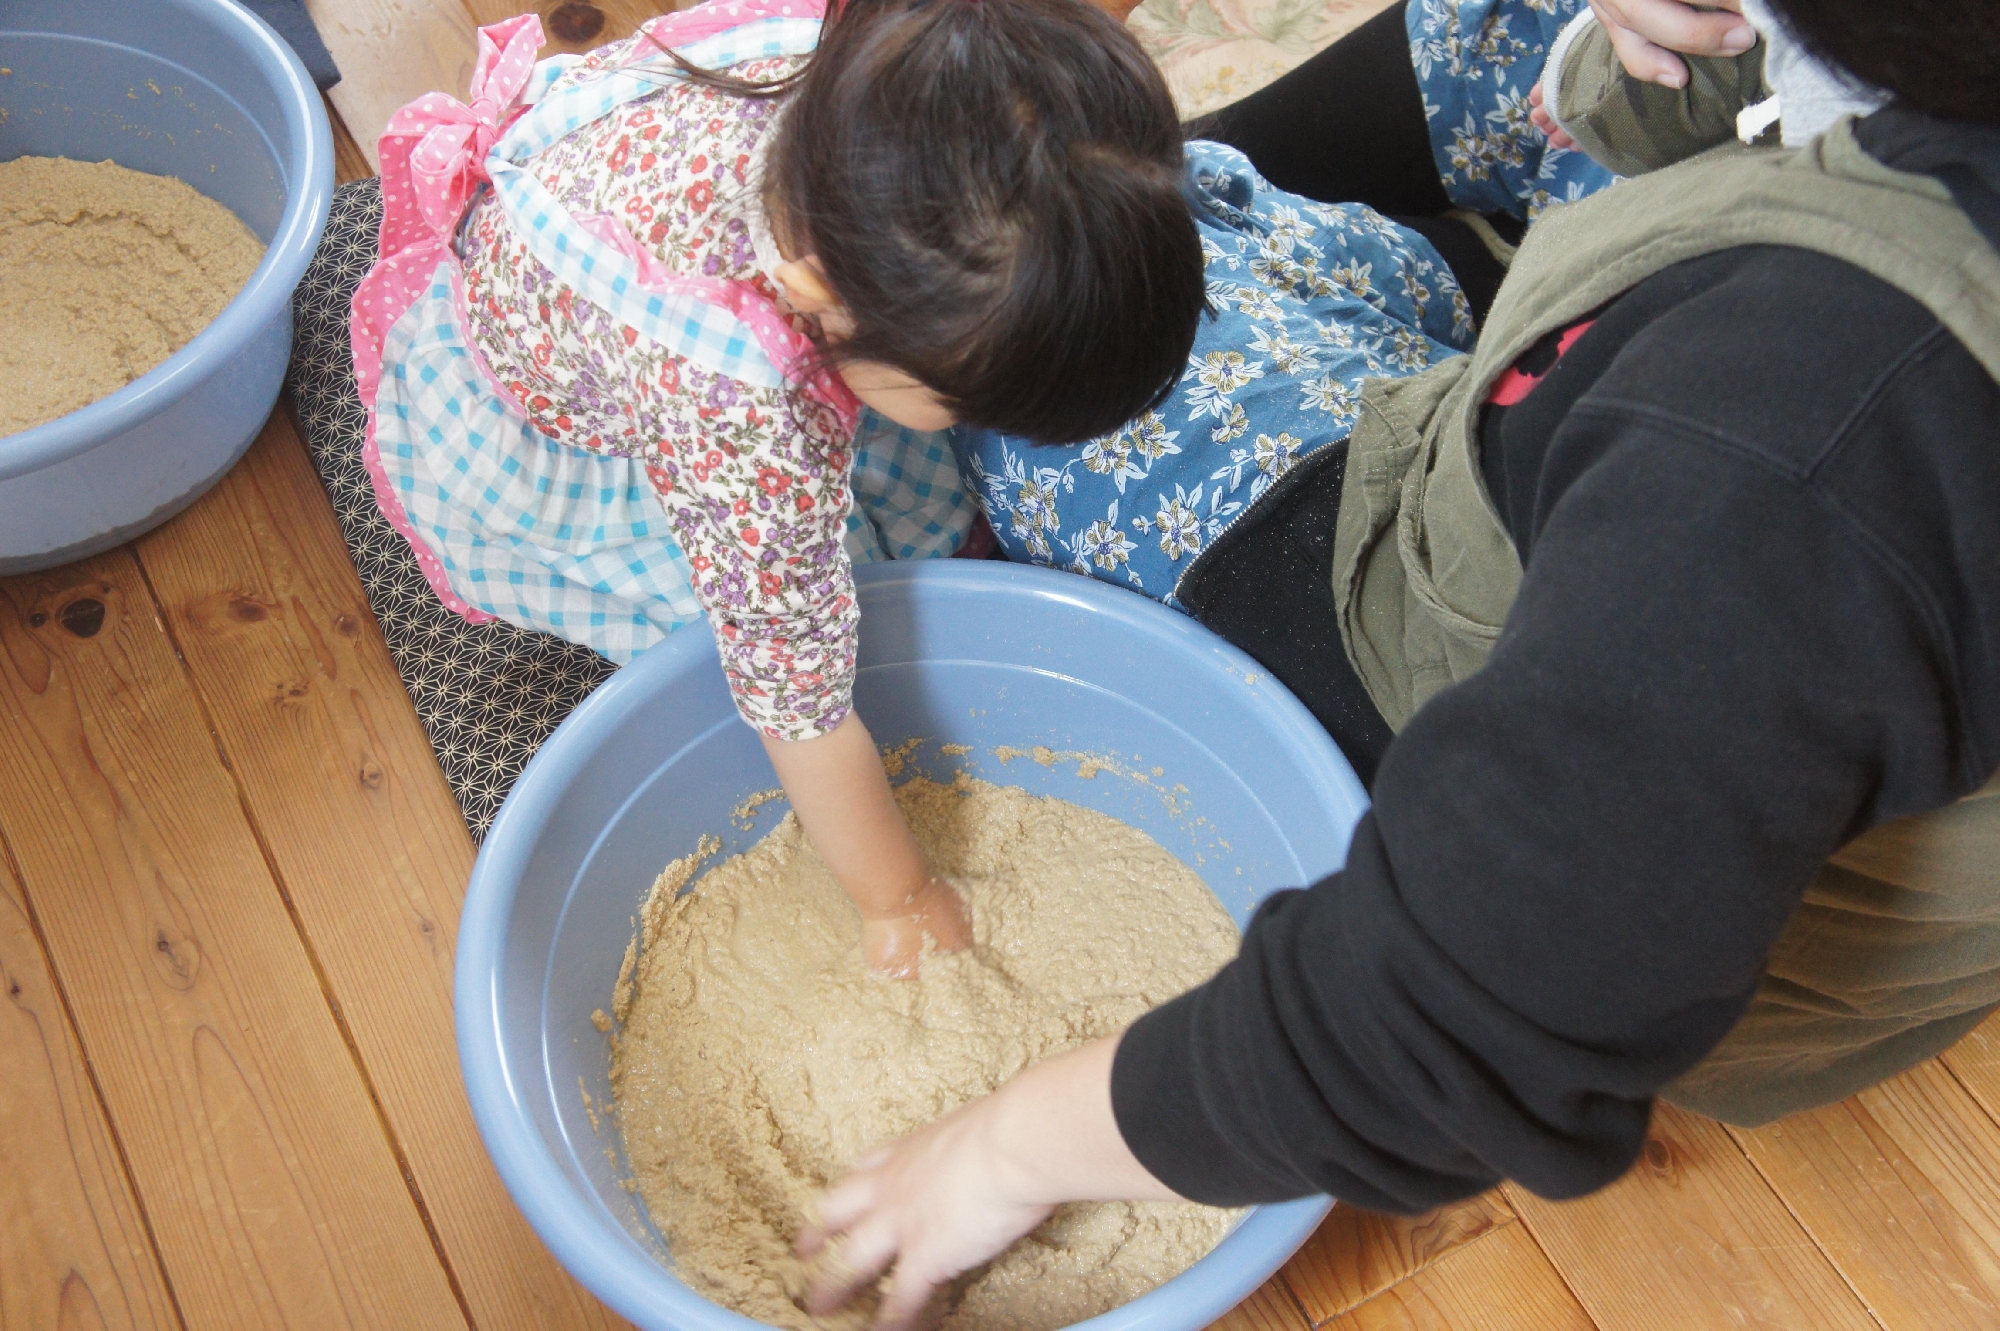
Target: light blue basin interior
140	103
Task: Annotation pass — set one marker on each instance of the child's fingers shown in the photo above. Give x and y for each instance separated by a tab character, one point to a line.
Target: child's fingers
844	1268
904	1302
1545	121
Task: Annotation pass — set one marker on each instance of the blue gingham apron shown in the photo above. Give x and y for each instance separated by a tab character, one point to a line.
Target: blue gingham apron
572	541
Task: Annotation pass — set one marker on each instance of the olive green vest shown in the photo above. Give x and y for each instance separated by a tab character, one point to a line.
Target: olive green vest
1895	952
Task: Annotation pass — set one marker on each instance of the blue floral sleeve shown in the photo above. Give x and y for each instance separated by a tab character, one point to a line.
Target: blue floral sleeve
1476	61
1308	300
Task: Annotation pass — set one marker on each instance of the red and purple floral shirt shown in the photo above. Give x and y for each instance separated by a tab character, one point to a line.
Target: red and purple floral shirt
754	480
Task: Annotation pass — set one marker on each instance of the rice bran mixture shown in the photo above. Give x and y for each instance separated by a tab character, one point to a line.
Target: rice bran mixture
104	273
756	1058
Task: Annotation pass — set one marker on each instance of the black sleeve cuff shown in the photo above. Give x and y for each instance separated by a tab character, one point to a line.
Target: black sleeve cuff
1156	1100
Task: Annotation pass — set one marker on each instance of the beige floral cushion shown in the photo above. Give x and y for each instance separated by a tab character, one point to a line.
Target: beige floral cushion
1215	51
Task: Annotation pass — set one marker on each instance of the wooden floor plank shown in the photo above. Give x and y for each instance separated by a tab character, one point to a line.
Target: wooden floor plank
1901	1187
349	162
362	830
1501	1282
1691	1238
74	1251
1975	1061
1357	1254
253	1144
569	27
1271	1308
389	52
392	51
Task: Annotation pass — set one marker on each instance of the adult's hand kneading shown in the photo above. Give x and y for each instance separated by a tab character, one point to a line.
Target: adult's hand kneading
941	1201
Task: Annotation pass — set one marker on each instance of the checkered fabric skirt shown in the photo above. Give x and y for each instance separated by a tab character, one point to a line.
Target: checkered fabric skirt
489	694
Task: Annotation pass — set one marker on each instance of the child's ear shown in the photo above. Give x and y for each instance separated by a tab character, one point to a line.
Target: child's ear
805	284
806	287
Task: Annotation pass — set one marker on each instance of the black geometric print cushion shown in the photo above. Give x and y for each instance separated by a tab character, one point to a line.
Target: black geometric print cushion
488	694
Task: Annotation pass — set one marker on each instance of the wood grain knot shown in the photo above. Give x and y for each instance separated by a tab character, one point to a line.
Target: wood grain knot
290	694
248	609
177	966
1443	1230
346	625
37	619
371	776
13	988
575	21
83	616
1659	1155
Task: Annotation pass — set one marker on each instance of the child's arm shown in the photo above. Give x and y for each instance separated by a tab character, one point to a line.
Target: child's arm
757	497
841	794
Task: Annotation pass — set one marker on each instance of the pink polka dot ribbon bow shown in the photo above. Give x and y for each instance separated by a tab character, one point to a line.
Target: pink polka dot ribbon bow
433	156
450	139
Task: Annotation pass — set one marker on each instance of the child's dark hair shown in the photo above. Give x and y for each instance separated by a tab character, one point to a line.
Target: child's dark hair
993	188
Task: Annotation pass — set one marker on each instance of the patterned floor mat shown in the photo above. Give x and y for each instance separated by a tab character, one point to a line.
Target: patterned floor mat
488	694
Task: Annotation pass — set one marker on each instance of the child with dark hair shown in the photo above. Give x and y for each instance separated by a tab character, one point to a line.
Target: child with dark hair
631	308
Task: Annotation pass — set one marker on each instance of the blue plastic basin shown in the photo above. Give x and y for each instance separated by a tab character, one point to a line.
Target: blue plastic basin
1253	795
202	90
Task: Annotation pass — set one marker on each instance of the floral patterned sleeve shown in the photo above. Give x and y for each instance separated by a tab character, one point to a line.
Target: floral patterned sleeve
758	502
754	480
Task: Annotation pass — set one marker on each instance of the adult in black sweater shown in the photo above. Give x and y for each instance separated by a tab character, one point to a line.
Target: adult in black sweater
1757	505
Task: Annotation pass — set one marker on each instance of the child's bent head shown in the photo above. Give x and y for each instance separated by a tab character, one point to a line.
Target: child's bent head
993	191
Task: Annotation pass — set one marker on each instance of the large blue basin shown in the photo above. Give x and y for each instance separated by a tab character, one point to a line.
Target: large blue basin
1252	794
202	90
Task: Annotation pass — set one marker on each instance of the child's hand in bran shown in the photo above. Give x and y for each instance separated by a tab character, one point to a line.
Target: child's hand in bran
894	944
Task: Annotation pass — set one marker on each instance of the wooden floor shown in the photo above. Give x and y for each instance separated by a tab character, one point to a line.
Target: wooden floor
230	877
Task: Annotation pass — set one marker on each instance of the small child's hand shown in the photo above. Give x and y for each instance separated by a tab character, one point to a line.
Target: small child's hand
1545	120
894	945
841	794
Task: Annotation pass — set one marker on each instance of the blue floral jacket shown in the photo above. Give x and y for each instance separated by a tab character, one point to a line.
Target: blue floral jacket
1309	299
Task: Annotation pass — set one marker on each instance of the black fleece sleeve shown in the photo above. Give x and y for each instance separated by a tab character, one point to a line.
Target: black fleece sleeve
1760	613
